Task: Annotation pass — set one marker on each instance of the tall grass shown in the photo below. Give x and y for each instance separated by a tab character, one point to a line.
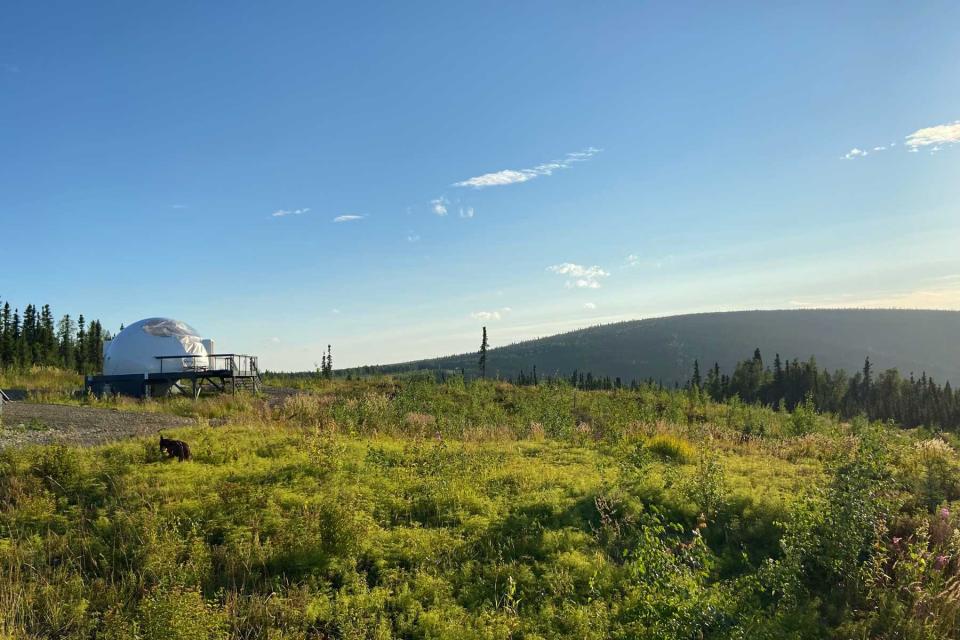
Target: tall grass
50	380
406	508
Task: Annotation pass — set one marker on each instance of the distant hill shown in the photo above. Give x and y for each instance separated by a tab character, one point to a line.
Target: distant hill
665	348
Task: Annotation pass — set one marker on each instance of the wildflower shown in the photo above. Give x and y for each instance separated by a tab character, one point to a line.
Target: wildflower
940	562
896	541
944	513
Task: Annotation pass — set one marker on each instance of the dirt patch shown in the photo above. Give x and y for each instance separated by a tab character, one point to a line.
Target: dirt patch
276	396
28	423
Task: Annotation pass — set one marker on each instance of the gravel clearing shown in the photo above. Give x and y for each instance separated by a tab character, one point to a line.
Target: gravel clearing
25	423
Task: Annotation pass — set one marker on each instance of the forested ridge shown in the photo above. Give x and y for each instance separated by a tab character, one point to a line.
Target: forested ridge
787	384
664	349
34	338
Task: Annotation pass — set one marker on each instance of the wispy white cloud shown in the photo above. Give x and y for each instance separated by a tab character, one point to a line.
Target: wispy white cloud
589	305
413	237
634	261
936	136
491	315
933	138
348	218
275	339
439	206
335	312
282	213
579	276
466	212
513	176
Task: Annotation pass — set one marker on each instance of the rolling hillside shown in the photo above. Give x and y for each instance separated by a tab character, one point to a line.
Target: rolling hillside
665	348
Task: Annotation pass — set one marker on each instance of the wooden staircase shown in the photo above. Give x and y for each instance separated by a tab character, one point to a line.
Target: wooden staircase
250	382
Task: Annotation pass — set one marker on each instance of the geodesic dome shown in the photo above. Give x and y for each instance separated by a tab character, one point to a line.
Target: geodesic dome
135	349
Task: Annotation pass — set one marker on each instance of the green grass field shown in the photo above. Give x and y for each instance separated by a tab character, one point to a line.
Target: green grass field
403	508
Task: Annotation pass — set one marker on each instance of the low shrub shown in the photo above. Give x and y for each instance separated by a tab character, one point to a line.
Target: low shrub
417	509
671	448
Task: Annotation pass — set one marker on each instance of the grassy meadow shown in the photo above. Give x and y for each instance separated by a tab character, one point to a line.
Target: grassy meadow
407	508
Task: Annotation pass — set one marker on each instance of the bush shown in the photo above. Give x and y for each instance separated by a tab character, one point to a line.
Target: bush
708	488
670	447
933	474
804	420
481	510
180	615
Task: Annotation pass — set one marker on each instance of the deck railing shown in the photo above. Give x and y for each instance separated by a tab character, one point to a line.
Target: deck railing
237	364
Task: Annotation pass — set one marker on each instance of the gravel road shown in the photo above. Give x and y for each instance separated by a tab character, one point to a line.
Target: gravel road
28	423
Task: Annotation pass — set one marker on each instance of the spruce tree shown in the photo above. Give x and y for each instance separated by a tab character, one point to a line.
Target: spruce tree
696	381
19	344
27	325
6	337
94	357
48	338
867	383
65	333
81	348
483	354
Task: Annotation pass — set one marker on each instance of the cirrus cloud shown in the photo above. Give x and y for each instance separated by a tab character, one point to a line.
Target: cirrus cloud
282	213
514	176
351	217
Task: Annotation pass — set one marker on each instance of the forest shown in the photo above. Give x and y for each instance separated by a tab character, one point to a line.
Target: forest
913	401
664	348
36	339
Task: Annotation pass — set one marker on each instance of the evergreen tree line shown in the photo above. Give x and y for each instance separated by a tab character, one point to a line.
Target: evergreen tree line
585	381
35	338
909	401
588	382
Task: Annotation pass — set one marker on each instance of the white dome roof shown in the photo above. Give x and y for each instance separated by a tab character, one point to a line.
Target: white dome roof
135	349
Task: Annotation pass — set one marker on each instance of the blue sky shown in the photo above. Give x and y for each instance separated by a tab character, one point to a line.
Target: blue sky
533	167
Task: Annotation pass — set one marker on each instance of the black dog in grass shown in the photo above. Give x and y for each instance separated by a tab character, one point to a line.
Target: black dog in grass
175	448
